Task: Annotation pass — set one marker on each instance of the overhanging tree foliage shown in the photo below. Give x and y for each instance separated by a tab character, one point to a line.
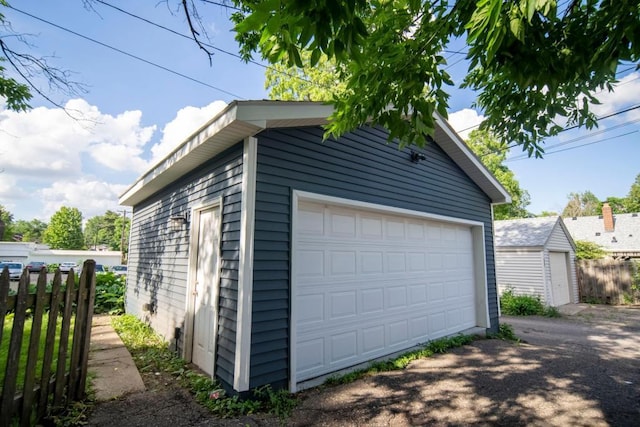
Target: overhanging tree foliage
534	65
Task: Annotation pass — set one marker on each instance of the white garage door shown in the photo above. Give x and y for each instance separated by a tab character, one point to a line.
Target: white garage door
367	284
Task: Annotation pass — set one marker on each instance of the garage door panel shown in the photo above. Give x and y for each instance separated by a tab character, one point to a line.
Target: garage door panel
343	348
311	309
371	301
381	284
342	305
311	263
373	339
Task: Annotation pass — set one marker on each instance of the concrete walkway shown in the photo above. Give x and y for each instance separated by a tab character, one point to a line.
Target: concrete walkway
112	369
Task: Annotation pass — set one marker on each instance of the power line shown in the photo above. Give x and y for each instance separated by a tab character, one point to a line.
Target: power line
510	146
573	127
162	67
209	45
578	146
227	6
579	138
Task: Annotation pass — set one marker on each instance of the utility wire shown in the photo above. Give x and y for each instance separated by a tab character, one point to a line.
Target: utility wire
209	45
227	6
577	146
600	91
510	146
579	138
162	67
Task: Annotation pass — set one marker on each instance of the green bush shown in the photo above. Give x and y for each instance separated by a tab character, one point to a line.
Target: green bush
110	289
520	305
589	250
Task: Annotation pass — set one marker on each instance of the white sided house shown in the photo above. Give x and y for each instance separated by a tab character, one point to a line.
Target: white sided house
536	256
269	255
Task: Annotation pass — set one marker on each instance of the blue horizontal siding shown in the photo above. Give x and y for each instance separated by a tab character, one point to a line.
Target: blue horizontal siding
158	262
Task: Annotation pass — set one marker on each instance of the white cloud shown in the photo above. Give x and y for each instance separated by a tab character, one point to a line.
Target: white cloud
465	121
625	94
187	121
51	141
92	197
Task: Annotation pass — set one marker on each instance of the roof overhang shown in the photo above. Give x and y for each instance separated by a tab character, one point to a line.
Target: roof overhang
242	119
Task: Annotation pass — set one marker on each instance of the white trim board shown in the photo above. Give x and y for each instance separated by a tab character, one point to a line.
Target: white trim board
241	374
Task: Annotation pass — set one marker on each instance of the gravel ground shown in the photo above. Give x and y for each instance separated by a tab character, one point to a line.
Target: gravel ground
582	370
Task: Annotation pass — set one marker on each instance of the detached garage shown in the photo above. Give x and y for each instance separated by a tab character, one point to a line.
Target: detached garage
269	256
536	256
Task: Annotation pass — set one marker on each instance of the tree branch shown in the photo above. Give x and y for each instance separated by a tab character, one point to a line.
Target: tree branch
194	33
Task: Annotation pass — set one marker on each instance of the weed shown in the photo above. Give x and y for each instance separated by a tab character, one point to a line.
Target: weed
549	311
152	353
506	333
279	403
438	346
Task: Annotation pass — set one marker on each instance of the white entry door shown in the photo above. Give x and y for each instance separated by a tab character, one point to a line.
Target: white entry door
559	278
205	290
367	284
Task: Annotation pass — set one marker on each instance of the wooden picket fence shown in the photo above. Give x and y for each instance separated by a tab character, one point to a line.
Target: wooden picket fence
67	311
607	281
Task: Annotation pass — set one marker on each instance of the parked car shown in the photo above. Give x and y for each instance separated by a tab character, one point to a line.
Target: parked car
15	269
100	269
36	266
120	270
66	266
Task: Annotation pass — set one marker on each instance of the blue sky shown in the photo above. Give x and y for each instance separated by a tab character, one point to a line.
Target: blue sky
135	112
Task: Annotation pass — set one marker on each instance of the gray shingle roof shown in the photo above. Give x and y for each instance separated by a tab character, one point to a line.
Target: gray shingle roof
526	232
624	238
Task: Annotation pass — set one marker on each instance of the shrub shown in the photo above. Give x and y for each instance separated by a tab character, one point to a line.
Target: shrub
589	250
525	305
110	290
520	305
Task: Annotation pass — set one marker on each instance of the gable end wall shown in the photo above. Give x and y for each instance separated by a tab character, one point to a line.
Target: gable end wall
361	166
558	242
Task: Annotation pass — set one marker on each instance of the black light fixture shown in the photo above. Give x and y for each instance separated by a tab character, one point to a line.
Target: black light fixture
417	157
177	222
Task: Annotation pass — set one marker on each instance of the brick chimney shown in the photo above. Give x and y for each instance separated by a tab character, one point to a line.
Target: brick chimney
607	217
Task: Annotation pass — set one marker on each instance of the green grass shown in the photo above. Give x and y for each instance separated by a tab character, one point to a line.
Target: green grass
4	347
152	354
438	346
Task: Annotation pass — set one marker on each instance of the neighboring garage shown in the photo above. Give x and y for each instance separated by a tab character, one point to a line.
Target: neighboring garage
536	256
369	283
306	256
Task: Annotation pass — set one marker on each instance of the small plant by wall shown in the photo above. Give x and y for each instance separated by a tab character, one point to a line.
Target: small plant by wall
525	305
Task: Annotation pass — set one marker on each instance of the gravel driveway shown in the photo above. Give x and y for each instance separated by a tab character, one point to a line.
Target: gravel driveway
582	370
